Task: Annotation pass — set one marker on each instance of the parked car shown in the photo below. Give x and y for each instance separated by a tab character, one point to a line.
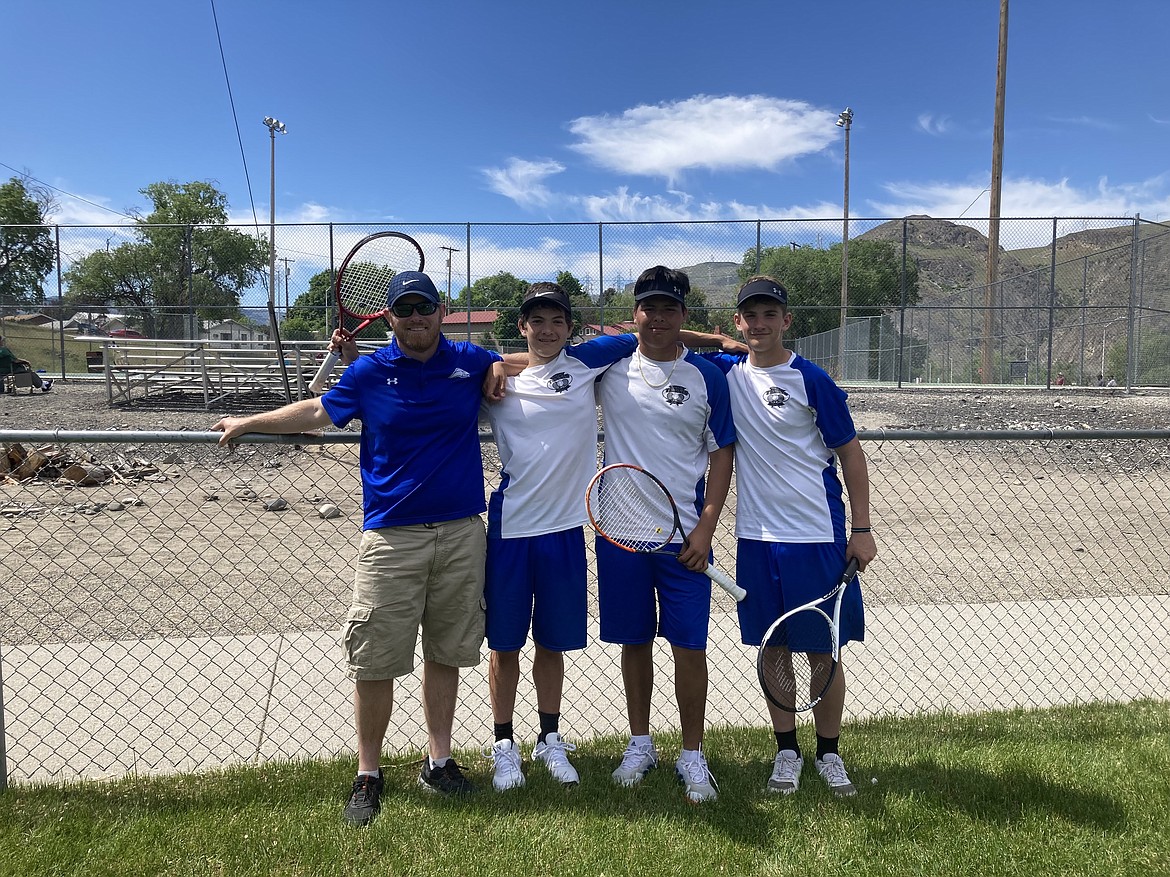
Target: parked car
126	333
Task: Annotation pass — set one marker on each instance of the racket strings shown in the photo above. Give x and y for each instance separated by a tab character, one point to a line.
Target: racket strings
366	276
631	510
796	663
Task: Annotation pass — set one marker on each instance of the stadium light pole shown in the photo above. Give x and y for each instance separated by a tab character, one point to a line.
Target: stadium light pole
273	125
844	120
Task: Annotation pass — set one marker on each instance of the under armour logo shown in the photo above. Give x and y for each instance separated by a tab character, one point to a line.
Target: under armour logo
390	381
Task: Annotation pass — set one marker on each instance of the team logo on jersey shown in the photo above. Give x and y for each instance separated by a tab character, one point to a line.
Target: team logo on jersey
560	382
775	397
676	395
458	375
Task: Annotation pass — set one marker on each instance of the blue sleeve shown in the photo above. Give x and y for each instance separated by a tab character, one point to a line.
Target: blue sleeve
718	398
604	350
342	401
828	400
724	361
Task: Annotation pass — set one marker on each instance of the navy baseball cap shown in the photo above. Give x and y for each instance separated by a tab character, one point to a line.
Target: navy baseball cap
767	288
407	282
546	294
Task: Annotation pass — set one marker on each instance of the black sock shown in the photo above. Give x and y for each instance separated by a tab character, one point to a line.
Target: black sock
826	746
550	723
503	731
787	740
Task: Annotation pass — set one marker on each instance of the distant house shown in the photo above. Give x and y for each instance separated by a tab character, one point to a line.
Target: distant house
455	325
592	330
37	319
231	330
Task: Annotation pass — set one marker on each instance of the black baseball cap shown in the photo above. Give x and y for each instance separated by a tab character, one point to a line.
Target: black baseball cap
762	287
662	281
546	294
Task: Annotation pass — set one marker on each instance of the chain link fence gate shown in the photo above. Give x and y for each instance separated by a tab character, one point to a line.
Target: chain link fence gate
166	605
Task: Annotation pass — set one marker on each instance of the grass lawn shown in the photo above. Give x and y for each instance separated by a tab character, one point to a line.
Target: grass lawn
1077	790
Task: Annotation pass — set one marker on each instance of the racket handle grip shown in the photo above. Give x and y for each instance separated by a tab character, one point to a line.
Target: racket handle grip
722	580
317	385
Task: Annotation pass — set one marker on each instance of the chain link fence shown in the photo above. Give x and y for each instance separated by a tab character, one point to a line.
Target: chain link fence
1082	300
166	605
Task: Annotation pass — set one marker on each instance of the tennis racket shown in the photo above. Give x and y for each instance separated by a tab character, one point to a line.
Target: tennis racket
361	286
633	509
798	655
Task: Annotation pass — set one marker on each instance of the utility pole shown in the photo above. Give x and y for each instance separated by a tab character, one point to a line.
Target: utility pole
991	291
450	250
287	271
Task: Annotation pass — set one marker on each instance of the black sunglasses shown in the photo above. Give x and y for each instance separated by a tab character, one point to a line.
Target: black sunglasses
405	309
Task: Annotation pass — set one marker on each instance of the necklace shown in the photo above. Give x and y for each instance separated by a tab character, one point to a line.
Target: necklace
646	380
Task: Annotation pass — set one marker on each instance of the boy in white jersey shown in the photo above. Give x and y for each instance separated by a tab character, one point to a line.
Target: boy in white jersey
790	419
546	432
666	409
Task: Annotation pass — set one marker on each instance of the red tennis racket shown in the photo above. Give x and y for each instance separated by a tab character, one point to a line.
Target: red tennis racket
361	286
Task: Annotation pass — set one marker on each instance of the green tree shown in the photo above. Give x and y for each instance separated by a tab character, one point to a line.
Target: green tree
183	259
813	279
306	318
503	292
27	251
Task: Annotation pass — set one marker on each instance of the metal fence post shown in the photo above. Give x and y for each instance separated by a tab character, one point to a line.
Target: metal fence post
3	737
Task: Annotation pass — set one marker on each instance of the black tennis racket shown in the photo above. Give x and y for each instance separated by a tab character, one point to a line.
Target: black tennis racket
798	655
362	283
632	508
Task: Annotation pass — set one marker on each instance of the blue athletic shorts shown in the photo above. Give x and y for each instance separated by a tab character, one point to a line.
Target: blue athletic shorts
779	576
627	585
537	581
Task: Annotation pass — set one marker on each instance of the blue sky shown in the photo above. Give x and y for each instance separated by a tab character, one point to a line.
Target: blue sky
541	111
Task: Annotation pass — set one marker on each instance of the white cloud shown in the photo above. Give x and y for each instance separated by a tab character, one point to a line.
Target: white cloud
523	181
1084	122
1027	197
715	133
934	125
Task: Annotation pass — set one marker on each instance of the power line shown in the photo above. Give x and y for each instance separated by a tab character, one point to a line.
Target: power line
63	192
235	118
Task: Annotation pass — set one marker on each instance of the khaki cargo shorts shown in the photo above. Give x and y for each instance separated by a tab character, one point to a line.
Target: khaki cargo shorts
428	575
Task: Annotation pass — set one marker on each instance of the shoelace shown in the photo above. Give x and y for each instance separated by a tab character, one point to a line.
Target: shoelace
635	753
786	767
558	749
364	785
510	758
834	771
698	773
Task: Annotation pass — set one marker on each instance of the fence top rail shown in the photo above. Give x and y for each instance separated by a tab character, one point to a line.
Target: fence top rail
193	437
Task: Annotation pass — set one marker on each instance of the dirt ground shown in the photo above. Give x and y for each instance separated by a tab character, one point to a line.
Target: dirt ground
82	405
201	552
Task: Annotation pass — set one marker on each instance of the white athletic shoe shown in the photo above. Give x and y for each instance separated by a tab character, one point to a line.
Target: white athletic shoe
696	776
785	778
832	770
553	753
637	760
508	774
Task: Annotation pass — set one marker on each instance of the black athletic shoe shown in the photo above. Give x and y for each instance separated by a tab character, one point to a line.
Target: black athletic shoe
365	801
448	779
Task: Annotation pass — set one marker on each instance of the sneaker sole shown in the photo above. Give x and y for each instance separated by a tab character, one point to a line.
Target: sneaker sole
633	781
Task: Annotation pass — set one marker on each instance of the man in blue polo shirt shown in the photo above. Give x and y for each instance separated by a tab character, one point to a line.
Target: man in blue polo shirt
421	557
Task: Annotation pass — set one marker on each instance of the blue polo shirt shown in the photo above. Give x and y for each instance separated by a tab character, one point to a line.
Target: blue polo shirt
420	457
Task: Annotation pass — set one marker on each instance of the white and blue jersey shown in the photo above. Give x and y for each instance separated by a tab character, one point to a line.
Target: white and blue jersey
787	420
546	431
420	455
668	417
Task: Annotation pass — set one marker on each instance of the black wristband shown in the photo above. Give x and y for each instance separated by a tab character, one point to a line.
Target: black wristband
860	530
